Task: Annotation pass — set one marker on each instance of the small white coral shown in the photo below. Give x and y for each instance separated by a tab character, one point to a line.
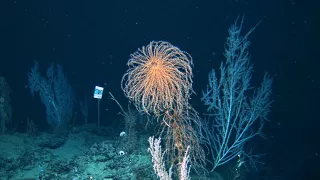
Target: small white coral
123	134
121	153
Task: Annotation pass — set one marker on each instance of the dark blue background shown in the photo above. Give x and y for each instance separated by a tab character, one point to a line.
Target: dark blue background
92	40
